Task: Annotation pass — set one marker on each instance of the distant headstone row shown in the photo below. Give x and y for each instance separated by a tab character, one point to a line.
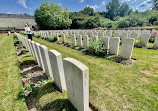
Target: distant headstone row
111	43
144	35
68	74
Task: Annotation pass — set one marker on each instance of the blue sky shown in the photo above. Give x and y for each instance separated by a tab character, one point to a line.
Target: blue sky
29	6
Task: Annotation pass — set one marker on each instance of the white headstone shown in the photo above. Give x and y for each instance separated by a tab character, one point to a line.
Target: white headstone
156	42
63	38
105	41
145	38
79	40
46	61
86	41
73	38
114	45
37	46
127	48
77	82
57	69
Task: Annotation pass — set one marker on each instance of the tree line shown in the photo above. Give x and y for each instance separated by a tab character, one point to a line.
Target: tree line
119	15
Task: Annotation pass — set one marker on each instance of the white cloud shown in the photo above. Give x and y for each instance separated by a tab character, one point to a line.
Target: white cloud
103	3
97	6
128	0
23	3
60	4
9	13
94	6
147	3
81	1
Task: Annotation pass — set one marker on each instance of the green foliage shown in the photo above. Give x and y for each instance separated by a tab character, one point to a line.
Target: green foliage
53	38
115	9
112	9
51	16
155	5
155	23
97	48
27	55
88	10
28	61
30	87
131	21
17	42
153	19
92	23
138	43
15	36
22	32
152	39
38	35
109	25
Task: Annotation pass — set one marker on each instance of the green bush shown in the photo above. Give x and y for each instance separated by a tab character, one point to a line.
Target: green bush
138	43
15	36
109	25
38	35
92	23
27	55
155	23
17	42
22	33
152	39
97	48
153	19
131	21
28	61
32	34
53	38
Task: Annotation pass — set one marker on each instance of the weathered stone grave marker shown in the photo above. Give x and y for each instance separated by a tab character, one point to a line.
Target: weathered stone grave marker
77	82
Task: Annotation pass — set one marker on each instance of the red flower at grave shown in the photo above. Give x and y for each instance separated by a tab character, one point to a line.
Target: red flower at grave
153	34
24	81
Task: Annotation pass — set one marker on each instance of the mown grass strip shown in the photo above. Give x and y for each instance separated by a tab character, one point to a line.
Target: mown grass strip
10	77
114	86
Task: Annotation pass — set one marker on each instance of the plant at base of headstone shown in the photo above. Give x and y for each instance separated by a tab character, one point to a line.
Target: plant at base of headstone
27	55
138	43
38	36
29	87
152	39
28	61
53	38
15	37
17	42
114	58
66	43
97	48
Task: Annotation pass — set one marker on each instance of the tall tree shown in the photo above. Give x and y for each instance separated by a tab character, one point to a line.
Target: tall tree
88	10
155	5
124	9
51	16
112	9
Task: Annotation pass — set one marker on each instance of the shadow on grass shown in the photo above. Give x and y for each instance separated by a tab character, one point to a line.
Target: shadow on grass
59	105
49	98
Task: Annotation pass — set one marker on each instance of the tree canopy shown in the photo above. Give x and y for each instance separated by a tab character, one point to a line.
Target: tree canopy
114	9
155	5
51	16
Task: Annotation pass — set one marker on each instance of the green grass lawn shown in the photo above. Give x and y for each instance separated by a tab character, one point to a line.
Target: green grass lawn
114	86
10	77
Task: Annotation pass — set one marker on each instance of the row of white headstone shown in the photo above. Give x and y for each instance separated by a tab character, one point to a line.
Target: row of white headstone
144	35
112	44
68	74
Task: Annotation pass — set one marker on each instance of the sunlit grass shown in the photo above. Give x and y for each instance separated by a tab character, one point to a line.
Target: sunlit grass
114	86
10	77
